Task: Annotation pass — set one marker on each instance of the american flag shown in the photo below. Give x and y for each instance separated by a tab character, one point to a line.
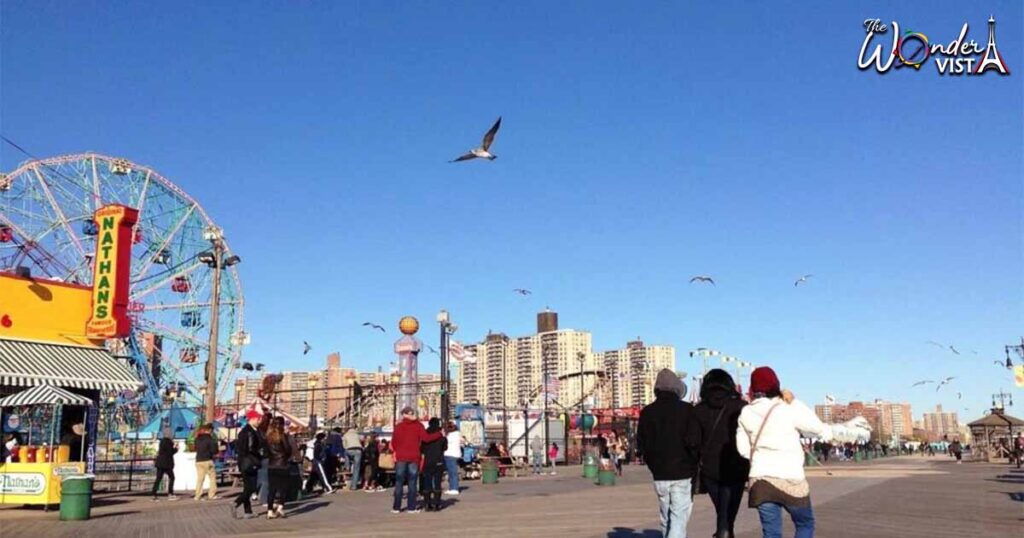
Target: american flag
458	353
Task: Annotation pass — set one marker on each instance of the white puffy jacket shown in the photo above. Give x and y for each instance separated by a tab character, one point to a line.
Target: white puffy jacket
779	453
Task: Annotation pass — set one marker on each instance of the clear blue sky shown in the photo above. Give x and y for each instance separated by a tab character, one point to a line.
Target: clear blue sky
641	145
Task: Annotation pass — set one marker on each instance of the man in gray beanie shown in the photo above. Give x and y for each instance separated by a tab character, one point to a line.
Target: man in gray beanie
668	438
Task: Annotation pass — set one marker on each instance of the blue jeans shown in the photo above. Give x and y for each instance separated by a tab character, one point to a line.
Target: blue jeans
355	459
538	463
406	472
674	504
771	520
452	465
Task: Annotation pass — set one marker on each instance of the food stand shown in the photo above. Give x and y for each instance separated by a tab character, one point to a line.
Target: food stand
38	481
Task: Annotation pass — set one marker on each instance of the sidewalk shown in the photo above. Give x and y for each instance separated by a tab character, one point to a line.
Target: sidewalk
906	497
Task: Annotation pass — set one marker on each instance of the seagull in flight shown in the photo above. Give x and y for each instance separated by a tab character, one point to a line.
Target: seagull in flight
1000	364
936	344
702	278
802	279
959	395
944	382
925	382
306	347
522	291
373	326
432	350
482	152
953	349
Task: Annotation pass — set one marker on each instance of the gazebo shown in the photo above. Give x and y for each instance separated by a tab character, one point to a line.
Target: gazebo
995	429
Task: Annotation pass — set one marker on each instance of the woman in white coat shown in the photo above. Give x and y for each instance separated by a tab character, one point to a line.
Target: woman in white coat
769	436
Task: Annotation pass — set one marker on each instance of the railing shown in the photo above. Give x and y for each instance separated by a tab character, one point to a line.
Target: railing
137	474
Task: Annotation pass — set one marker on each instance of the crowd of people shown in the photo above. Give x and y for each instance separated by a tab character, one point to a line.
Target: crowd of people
725	445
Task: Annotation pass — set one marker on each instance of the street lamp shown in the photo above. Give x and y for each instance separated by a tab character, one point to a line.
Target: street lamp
214	259
447	329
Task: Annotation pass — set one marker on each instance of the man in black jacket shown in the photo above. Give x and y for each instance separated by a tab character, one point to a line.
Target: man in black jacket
668	437
250	456
206	451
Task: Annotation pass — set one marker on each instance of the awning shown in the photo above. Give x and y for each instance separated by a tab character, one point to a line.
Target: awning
44	395
27	364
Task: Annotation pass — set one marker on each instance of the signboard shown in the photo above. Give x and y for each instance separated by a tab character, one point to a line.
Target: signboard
22	483
111	272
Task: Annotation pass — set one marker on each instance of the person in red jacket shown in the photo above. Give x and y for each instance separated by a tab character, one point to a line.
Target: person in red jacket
409	434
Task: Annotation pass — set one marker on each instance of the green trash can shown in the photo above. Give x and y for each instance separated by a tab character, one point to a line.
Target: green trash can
606	477
856	456
76	497
589	465
489	471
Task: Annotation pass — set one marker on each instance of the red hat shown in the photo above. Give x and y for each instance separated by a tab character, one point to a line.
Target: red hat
253	415
763	381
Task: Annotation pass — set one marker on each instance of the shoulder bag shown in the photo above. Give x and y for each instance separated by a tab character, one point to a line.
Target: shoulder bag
753	446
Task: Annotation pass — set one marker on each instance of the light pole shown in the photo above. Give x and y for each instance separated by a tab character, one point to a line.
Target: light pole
447	329
581	357
704	353
1003	398
1019	349
215	259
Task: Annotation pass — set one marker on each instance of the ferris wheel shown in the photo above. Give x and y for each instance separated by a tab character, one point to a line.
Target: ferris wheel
46	225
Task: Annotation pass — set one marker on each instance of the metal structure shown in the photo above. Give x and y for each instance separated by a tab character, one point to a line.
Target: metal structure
46	229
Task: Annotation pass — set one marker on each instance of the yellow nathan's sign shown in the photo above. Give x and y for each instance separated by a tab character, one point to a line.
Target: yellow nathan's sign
111	272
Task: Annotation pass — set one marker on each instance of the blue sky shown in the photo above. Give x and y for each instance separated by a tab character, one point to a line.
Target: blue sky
640	146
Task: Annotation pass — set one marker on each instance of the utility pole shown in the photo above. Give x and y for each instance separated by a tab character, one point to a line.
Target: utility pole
1003	399
1018	349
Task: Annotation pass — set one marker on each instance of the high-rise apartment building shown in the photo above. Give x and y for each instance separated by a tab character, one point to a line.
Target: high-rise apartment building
941	424
887	419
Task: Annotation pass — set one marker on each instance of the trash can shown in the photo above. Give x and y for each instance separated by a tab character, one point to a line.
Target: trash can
589	465
606	477
489	471
76	497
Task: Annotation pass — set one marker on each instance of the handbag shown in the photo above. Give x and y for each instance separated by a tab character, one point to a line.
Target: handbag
386	461
757	438
698	484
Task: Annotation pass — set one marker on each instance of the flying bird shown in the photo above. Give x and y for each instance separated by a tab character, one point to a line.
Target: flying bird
432	350
522	291
482	152
1000	364
953	349
374	326
936	344
702	278
959	395
925	382
802	279
944	382
306	347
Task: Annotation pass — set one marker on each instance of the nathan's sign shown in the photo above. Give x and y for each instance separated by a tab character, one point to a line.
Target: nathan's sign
22	483
111	272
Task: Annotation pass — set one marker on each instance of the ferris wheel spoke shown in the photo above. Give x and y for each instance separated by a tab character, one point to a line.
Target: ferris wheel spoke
97	200
164	281
167	240
59	212
197	341
182	306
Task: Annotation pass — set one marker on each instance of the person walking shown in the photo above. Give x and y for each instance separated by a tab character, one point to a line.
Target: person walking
452	455
317	474
1019	448
279	452
537	454
667	436
433	466
956	450
250	447
206	451
768	436
723	472
354	455
164	464
406	440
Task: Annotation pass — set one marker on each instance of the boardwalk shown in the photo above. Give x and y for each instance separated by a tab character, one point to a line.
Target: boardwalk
900	498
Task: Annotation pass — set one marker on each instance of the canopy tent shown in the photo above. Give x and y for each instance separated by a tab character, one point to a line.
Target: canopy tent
27	364
44	395
181	420
261	407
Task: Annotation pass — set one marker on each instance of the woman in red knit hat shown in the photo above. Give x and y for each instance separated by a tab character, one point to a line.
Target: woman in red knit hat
769	437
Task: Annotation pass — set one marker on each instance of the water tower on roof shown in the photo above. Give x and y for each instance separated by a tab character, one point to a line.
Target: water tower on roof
547	321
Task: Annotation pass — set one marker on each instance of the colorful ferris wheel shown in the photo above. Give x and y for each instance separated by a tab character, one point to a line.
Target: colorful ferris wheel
46	226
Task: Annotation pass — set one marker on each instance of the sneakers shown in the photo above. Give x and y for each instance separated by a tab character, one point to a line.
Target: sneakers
393	511
416	511
452	492
156	499
172	497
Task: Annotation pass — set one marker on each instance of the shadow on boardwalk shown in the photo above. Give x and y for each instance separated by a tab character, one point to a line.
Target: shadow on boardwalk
622	532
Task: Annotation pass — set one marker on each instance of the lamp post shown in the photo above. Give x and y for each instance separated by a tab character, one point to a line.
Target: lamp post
1019	349
214	259
447	329
581	357
1003	399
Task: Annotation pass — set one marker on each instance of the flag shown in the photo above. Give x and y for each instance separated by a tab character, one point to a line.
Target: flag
458	353
1018	375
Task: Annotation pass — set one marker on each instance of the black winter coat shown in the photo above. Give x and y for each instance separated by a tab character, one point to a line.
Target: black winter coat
433	452
719	459
667	437
250	449
206	447
165	454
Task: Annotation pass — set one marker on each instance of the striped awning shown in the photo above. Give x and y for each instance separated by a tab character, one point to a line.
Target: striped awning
44	395
27	364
